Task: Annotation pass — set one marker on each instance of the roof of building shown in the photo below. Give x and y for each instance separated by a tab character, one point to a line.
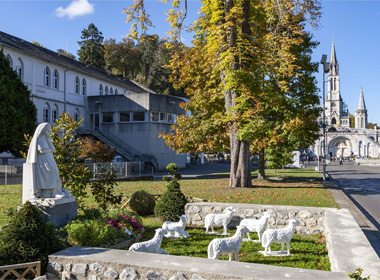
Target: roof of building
42	53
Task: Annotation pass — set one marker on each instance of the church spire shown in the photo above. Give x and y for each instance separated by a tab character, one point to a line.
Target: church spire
361	105
334	65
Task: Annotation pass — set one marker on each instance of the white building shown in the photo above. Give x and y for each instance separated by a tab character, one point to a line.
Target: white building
341	139
58	83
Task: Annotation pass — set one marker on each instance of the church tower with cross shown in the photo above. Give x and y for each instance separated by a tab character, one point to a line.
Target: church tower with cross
336	112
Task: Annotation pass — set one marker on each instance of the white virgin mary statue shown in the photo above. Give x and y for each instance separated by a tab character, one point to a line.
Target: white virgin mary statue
40	176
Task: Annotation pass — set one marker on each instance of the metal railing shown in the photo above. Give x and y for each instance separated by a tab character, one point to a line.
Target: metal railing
12	175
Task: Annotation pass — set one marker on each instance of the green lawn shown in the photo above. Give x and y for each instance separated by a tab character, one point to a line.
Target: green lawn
298	187
307	252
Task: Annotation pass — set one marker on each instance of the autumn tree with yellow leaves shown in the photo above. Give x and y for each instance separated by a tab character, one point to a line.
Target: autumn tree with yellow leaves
248	76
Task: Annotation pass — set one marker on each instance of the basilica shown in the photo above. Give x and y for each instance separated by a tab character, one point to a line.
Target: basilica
343	138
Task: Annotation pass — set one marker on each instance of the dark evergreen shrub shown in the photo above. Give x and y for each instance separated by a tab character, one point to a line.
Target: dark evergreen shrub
143	203
172	203
28	238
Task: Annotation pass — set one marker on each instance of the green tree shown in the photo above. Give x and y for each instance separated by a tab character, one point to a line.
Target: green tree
122	58
244	61
66	53
91	50
74	176
173	201
28	238
18	114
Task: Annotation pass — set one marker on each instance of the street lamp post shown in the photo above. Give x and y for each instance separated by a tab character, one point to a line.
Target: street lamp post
326	66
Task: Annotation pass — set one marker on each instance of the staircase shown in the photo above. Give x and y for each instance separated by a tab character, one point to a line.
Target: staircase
112	140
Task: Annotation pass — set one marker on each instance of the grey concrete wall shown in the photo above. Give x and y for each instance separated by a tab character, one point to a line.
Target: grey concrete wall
312	218
142	136
103	264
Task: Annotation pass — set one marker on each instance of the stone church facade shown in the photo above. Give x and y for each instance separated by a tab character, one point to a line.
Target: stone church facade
341	138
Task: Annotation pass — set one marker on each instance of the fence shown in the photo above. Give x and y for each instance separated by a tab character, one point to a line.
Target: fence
12	175
14	270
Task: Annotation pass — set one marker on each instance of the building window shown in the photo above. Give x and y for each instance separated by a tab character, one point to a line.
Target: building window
84	87
106	90
56	79
116	92
76	115
47	77
172	118
162	117
125	117
46	113
154	116
77	85
100	90
138	116
108	117
10	61
20	69
111	91
54	114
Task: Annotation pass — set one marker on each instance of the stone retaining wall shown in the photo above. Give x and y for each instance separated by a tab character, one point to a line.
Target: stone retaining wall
312	219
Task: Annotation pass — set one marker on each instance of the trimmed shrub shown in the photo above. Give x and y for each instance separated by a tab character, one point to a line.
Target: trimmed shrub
28	238
143	203
172	203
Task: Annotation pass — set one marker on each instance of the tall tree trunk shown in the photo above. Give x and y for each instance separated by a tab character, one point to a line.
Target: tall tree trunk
261	173
240	173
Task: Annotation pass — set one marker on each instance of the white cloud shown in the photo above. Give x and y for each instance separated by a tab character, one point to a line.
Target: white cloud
75	9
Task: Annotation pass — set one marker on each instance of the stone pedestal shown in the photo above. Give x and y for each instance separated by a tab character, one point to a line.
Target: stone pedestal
59	211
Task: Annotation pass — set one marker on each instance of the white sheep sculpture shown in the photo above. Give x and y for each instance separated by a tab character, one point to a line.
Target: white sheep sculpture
151	246
176	229
256	225
230	245
219	220
282	236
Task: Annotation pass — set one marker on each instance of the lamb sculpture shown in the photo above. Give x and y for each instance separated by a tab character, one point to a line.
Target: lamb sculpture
282	236
219	220
227	245
176	229
151	246
256	225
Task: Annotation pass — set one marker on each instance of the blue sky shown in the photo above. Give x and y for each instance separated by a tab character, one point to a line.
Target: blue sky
355	26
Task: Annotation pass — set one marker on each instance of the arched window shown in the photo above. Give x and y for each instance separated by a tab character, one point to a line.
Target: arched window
331	84
106	90
20	69
77	82
111	91
362	122
334	83
116	93
54	114
47	77
56	79
10	61
46	113
84	87
100	90
76	115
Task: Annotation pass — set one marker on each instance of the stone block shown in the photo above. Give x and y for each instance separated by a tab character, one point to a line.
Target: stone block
80	269
152	275
111	273
60	214
129	274
97	267
179	276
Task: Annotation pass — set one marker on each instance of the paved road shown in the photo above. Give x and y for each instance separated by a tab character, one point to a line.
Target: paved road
361	185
